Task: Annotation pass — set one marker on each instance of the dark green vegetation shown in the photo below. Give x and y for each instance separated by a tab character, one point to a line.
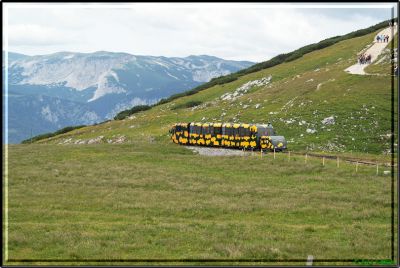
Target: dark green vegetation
158	200
52	134
133	110
188	104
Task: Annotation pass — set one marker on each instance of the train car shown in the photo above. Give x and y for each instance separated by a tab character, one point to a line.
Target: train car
230	135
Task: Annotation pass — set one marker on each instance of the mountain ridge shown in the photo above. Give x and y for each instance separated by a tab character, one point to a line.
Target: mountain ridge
106	82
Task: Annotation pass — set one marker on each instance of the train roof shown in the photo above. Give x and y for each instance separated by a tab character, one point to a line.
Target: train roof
229	124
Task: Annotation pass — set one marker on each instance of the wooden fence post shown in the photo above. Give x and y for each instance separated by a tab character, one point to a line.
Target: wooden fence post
274	153
323	160
305	160
377	169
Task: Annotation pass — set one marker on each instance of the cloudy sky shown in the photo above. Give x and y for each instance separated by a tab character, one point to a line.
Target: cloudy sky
254	32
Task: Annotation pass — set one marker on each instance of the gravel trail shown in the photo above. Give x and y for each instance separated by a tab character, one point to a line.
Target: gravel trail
374	50
210	151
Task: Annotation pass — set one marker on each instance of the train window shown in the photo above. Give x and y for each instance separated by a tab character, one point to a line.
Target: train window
235	131
270	132
241	131
212	131
246	132
217	130
191	129
261	131
227	131
178	128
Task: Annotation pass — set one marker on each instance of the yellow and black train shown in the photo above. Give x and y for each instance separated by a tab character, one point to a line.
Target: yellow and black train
247	136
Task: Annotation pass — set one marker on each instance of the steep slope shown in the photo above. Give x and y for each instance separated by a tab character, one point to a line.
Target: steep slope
103	83
310	100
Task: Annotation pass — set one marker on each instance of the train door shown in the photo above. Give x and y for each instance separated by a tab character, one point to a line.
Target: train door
236	136
173	133
217	134
191	132
245	136
184	133
253	137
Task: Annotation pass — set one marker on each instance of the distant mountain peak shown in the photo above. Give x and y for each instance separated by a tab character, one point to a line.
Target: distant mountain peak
103	83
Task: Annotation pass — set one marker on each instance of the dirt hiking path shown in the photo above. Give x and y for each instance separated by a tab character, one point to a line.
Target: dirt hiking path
374	50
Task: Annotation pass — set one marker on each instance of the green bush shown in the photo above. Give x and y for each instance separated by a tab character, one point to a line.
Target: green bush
52	134
133	110
188	104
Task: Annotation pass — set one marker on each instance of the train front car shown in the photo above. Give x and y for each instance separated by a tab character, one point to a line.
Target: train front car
179	133
268	139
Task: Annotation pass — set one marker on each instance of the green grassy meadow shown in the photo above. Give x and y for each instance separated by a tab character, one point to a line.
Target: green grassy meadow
161	201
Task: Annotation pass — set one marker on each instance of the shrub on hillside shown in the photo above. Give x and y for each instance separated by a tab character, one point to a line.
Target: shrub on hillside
188	104
52	134
133	110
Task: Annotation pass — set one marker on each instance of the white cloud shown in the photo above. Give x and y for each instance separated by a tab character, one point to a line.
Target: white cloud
35	35
254	32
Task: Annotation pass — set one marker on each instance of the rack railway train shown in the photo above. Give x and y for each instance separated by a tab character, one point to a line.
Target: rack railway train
232	135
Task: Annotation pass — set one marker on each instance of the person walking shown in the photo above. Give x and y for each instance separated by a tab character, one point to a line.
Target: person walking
377	38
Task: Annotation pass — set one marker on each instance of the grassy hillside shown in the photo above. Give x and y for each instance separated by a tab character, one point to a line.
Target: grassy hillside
301	94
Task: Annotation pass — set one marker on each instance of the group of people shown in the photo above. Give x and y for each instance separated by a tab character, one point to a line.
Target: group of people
364	58
381	38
